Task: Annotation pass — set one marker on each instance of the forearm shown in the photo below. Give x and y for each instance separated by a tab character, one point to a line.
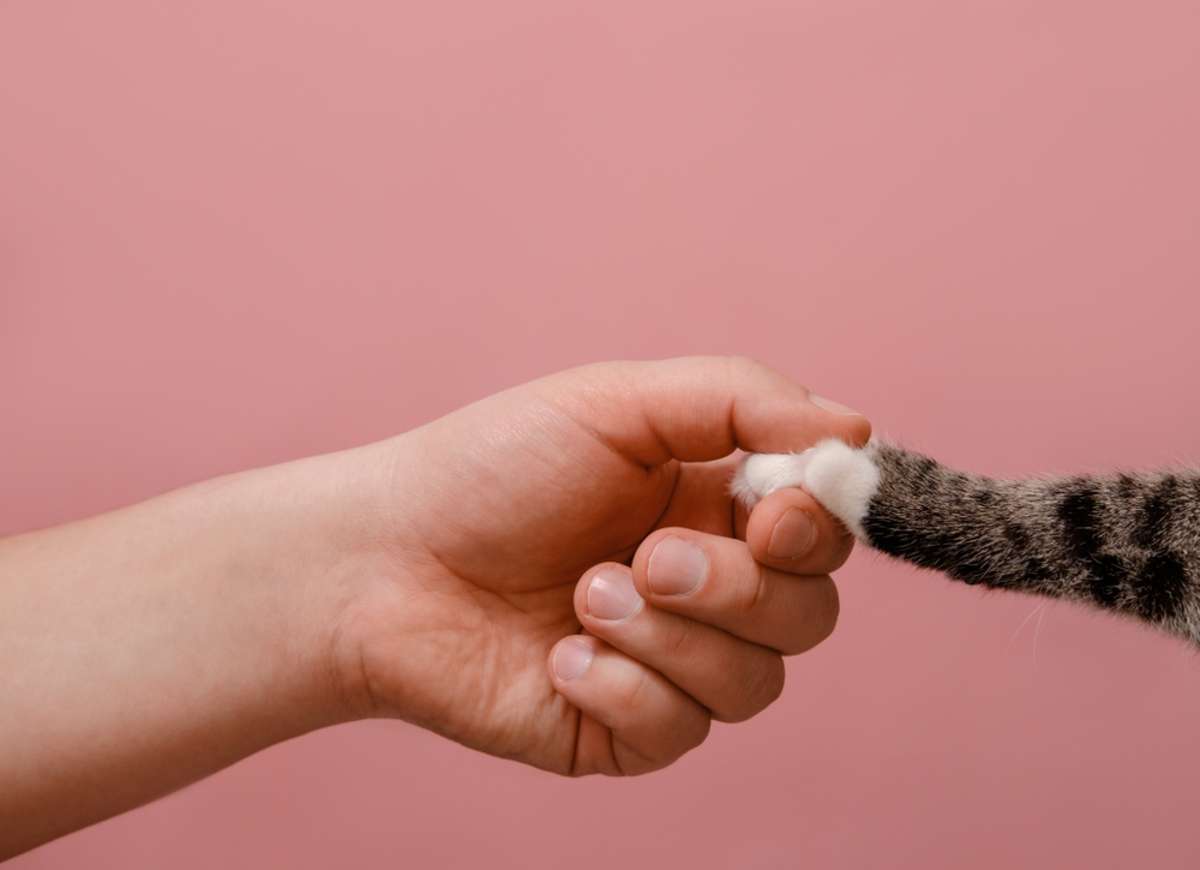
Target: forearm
143	649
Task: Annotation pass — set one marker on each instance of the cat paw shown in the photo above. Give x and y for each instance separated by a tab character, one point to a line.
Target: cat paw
842	478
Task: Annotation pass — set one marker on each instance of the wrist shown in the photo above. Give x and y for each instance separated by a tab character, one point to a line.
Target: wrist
294	546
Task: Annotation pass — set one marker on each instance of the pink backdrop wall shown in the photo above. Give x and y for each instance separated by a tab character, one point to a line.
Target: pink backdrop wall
237	232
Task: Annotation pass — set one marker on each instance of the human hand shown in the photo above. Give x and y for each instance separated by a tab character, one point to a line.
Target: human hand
559	575
556	574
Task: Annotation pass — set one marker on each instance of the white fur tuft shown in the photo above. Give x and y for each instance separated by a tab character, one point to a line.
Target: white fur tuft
842	478
760	474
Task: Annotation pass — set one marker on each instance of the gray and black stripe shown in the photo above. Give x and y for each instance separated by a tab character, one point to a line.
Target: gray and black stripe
1128	543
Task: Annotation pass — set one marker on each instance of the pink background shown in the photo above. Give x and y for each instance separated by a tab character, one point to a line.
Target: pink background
237	232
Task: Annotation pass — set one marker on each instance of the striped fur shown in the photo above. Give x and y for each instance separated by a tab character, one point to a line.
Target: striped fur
1127	543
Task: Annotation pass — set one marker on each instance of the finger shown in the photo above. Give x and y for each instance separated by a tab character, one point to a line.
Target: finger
701	497
717	581
791	531
652	722
700	408
733	678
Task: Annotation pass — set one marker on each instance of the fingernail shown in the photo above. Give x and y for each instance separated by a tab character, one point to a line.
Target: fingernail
793	536
611	595
572	658
676	567
830	405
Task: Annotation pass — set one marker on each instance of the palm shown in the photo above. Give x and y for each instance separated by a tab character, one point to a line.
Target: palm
497	511
511	518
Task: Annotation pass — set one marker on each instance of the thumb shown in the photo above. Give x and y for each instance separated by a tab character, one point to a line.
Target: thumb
699	408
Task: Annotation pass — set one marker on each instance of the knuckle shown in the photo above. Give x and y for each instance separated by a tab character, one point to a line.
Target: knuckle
698	731
758	688
679	638
826	607
755	592
688	731
631	694
745	365
817	619
770	684
750	368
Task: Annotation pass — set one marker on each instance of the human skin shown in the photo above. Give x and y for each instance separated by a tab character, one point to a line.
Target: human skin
555	574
